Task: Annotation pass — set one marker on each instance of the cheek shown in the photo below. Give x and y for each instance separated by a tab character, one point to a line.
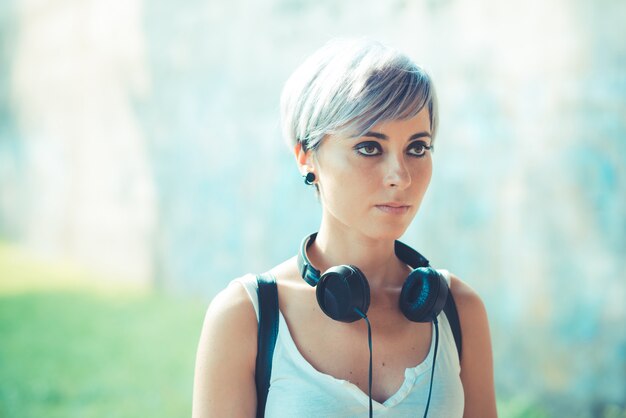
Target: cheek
345	180
356	176
424	170
336	168
427	172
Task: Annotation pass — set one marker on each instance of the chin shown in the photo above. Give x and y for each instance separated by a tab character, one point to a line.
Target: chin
387	232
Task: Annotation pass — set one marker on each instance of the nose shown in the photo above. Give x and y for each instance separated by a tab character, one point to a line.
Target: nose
396	173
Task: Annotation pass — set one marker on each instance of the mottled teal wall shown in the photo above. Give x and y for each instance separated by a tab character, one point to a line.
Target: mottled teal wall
11	157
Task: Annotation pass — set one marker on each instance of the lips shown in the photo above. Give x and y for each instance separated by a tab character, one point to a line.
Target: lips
393	208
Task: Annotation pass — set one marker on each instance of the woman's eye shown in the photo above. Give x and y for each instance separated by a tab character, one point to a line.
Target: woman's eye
368	149
418	149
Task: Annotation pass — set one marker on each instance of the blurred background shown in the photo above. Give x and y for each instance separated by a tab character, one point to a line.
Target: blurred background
142	169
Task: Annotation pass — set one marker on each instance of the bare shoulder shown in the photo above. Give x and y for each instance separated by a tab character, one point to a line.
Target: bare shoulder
477	357
230	317
225	360
468	301
473	318
231	306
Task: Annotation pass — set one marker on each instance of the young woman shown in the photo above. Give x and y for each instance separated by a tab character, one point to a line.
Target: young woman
361	119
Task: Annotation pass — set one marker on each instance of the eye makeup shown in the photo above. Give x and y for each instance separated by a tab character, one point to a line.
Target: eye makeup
373	148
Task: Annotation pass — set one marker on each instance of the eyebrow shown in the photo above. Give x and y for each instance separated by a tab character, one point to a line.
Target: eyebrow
385	137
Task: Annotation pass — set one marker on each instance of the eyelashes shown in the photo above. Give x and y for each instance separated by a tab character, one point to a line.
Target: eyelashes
368	149
373	149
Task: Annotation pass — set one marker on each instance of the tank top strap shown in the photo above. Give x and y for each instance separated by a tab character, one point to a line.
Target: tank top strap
250	284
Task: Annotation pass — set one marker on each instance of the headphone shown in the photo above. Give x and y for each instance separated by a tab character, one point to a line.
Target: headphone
343	292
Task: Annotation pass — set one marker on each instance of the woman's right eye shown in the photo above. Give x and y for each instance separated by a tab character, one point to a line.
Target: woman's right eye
368	149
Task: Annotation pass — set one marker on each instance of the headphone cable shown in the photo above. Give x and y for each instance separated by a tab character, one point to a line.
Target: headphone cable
369	341
432	373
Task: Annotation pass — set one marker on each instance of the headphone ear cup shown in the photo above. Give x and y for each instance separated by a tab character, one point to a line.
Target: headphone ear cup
423	295
341	290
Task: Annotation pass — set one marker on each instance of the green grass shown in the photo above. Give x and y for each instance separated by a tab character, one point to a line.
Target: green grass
72	349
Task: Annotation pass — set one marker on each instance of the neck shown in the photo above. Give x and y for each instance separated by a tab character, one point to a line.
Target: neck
375	257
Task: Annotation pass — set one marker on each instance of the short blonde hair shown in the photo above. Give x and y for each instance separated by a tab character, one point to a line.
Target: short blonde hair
347	87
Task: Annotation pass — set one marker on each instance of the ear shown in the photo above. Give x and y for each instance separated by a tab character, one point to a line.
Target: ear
303	158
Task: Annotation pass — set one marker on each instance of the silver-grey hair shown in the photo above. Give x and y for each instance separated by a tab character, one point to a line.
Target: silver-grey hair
347	87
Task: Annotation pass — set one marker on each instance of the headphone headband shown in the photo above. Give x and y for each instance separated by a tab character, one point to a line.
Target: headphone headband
311	275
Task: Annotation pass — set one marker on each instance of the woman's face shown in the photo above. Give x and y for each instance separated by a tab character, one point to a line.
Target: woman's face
374	184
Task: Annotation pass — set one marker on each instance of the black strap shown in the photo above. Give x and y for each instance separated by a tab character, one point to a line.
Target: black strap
268	332
453	318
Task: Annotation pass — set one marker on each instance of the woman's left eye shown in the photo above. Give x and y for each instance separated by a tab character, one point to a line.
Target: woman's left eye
418	149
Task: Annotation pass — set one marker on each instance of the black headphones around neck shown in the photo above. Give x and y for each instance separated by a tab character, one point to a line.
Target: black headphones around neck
343	292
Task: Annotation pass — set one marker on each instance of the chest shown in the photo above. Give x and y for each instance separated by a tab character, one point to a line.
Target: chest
341	350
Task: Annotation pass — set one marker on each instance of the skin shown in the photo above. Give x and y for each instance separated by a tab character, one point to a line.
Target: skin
355	177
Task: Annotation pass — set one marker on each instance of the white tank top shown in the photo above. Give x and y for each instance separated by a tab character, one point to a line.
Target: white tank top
297	389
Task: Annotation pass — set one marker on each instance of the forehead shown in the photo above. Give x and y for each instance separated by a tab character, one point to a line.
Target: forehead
409	126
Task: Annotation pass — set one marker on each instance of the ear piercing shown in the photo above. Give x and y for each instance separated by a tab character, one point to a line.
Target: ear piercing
309	179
